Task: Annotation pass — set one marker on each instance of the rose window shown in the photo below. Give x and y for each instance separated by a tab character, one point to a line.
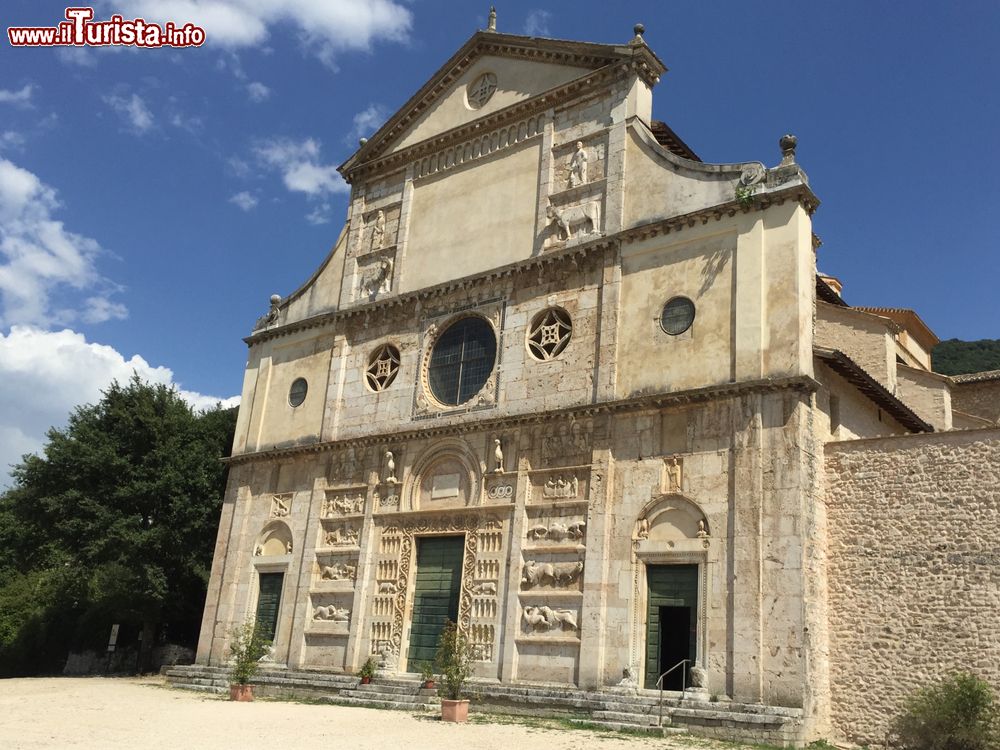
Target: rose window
382	367
550	333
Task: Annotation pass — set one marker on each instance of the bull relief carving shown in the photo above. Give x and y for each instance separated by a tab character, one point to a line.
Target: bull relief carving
556	574
573	222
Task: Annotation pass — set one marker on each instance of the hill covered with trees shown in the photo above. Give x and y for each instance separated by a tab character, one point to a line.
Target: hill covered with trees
956	357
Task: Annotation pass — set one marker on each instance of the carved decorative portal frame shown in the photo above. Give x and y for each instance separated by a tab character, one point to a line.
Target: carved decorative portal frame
671	530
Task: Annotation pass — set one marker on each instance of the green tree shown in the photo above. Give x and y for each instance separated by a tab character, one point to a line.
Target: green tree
114	522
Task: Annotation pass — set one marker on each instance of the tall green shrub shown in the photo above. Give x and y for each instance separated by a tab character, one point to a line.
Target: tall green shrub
959	713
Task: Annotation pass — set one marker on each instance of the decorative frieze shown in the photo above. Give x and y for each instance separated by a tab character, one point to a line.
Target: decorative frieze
482	145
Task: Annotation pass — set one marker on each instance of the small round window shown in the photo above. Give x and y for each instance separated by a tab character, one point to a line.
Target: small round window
297	393
549	334
481	90
462	360
677	316
382	367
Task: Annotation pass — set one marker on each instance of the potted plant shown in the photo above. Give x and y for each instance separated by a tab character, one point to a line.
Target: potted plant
246	647
368	670
427	674
454	664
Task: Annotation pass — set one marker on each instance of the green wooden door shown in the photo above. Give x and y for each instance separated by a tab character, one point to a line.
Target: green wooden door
435	595
671	621
268	602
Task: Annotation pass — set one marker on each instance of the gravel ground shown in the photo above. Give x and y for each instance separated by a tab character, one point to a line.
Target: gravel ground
99	712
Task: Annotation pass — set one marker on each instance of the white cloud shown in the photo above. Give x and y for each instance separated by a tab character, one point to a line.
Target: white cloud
319	215
83	57
21	97
300	166
258	91
367	121
10	139
133	109
326	28
41	261
537	23
45	374
244	200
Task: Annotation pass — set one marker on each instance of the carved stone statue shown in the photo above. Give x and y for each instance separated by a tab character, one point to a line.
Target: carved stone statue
390	468
702	530
629	678
674	476
578	166
643	532
699	677
377	279
498	455
378	231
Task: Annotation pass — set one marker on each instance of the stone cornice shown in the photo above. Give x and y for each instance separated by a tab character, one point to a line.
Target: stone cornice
795	192
803	383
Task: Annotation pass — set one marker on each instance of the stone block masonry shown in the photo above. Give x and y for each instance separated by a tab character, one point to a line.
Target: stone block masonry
914	570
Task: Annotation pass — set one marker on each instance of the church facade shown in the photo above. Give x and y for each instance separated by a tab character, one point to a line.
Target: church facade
565	383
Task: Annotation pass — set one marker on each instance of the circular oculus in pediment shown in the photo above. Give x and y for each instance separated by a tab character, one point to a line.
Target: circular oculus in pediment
481	90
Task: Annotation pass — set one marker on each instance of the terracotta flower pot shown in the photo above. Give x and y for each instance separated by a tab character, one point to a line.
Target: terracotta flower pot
241	692
366	680
454	710
428	684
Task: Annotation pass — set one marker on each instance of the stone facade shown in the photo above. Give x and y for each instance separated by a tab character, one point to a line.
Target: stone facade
913	571
653	415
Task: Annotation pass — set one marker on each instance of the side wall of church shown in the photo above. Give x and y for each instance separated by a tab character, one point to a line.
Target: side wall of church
981	399
914	574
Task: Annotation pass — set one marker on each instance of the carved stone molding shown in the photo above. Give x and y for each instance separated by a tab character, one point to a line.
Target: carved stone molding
481	145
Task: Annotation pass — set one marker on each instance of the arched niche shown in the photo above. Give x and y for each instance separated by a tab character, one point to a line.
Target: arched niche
446	475
670	519
274	539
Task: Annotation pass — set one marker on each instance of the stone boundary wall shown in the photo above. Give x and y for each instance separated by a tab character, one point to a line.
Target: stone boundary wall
914	570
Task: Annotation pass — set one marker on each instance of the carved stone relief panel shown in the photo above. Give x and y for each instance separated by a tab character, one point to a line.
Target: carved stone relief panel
555	486
544	619
375	274
348	466
343	503
547	574
338	571
557	531
281	505
380	229
565	443
346	534
578	163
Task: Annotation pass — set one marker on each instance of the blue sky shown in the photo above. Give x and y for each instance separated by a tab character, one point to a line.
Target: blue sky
152	200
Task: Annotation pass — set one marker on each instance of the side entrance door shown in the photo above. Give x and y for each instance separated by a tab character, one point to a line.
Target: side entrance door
671	623
268	602
435	595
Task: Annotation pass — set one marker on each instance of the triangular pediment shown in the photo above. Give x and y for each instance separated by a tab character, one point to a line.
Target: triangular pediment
491	72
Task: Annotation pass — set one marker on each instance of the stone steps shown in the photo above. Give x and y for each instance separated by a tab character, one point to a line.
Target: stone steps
611	708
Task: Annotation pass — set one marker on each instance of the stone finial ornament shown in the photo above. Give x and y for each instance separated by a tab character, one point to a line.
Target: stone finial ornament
491	24
788	144
639	30
362	141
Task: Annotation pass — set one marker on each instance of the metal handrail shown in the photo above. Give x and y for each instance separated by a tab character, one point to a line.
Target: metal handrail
659	683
